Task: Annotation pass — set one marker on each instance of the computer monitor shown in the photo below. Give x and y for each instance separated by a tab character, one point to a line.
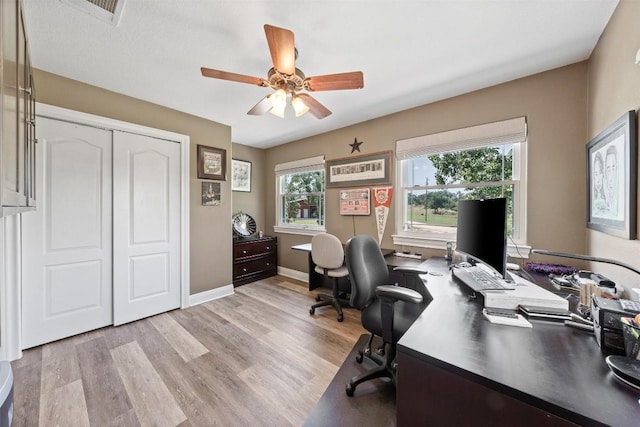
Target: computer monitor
482	232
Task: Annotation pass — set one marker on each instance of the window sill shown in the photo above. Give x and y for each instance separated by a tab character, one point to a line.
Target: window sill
298	230
520	251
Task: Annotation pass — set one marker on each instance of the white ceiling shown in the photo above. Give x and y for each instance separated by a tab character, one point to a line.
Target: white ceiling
411	52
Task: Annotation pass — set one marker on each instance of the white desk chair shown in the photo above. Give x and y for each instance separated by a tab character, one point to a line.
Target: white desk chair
328	256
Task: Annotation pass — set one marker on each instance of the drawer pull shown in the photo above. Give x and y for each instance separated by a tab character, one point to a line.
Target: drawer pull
268	248
244	252
244	270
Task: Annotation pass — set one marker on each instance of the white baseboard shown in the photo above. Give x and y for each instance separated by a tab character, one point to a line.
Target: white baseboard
210	295
294	274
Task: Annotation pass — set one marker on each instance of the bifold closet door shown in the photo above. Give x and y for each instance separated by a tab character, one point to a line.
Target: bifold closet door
103	247
146	222
66	242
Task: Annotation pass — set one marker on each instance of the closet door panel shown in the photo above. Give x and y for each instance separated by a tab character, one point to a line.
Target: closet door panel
66	243
147	226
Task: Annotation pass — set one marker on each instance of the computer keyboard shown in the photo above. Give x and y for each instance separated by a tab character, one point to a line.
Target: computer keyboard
630	306
478	279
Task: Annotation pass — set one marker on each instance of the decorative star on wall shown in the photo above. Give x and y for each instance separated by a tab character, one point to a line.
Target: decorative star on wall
355	146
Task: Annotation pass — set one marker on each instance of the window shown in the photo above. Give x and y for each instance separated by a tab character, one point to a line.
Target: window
435	171
300	196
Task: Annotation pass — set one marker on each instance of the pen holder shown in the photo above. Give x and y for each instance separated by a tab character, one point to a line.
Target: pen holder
631	333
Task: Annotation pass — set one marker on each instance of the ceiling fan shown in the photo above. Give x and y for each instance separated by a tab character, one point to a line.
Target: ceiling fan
288	81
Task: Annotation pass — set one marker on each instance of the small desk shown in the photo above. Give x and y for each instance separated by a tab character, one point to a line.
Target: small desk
316	279
456	368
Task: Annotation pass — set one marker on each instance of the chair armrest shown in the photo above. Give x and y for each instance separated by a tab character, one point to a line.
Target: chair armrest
396	293
406	269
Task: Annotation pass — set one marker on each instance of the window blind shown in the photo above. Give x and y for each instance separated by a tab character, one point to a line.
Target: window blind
300	166
510	131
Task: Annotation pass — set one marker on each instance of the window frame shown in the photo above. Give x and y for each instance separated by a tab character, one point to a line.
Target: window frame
312	164
513	131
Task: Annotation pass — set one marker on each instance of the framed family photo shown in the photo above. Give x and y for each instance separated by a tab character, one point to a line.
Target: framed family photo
612	178
240	175
212	163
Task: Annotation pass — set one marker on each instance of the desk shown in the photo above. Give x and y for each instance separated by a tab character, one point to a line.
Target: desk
316	279
456	368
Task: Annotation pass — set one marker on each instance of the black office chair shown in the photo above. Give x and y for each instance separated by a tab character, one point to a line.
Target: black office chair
387	309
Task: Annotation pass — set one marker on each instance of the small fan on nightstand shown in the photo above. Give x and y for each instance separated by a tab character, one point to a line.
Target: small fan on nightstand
243	225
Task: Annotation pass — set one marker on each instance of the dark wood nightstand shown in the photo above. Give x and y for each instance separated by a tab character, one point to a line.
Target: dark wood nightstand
254	258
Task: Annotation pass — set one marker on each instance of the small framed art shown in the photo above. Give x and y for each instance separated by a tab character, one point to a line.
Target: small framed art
212	163
240	175
211	194
355	202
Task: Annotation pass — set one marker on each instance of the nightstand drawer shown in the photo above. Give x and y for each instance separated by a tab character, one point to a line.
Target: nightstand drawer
247	250
255	266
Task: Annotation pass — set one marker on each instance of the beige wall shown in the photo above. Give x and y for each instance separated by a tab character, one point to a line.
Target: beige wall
564	109
252	203
554	103
210	230
614	87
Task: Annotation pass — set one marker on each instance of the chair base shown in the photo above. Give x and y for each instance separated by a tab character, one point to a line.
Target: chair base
326	300
386	366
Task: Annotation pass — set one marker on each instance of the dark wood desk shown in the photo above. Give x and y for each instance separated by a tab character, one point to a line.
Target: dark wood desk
456	368
316	279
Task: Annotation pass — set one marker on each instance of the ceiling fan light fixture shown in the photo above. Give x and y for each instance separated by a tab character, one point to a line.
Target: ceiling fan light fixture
299	106
277	112
279	99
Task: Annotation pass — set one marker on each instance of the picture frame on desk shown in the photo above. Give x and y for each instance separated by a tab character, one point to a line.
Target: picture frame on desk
368	169
612	179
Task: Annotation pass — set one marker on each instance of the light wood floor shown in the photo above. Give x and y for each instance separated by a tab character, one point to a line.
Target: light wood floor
254	358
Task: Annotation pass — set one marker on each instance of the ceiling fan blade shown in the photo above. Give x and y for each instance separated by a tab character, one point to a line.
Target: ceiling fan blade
352	80
282	48
315	108
234	77
261	107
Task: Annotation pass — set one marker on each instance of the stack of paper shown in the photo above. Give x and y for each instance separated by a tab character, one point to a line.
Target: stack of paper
526	293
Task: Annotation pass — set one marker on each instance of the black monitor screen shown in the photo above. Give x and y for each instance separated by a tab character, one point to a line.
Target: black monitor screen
482	231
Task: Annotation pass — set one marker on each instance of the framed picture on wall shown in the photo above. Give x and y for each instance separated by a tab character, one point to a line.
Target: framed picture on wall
212	163
211	194
355	201
240	175
612	178
368	169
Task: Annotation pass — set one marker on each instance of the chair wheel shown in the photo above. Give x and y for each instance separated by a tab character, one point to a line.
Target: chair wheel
340	317
312	310
349	390
359	357
318	298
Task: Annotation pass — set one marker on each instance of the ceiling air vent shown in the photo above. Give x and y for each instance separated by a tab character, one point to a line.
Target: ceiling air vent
105	10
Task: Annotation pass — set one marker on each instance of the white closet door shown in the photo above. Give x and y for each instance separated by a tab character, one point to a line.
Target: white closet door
66	242
146	221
